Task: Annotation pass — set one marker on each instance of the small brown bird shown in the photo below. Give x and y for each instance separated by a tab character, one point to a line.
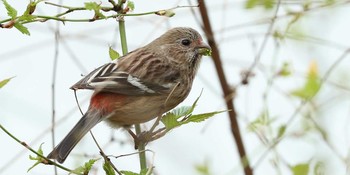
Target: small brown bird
134	88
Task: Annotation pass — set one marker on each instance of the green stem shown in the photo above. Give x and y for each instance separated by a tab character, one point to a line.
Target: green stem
141	146
123	35
33	151
43	18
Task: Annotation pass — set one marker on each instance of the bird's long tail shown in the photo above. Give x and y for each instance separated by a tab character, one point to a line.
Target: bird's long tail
62	150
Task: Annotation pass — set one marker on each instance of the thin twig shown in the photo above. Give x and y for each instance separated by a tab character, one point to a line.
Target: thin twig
247	75
57	17
105	157
301	105
269	19
47	161
53	85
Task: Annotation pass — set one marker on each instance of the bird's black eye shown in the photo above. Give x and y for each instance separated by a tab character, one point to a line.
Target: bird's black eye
186	42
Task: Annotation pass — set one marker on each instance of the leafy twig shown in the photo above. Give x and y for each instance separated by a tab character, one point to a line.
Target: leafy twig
44	18
45	160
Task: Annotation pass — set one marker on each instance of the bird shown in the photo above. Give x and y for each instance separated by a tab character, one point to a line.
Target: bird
138	86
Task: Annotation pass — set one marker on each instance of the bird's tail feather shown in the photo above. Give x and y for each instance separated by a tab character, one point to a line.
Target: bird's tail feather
62	150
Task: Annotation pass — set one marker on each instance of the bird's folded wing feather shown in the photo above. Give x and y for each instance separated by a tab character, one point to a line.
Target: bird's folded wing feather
108	78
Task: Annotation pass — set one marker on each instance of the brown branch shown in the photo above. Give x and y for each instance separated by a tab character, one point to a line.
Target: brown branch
225	88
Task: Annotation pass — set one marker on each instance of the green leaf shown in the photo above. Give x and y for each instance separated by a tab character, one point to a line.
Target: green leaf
329	2
267	4
281	131
131	5
38	159
145	171
85	168
278	35
95	7
142	172
195	103
4	82
262	120
100	15
251	4
285	70
300	169
10	10
113	54
203	169
170	121
311	86
182	111
92	6
26	17
31	8
129	173
21	28
201	117
108	168
319	168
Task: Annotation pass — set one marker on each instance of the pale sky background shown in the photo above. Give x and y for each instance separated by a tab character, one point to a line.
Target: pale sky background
26	102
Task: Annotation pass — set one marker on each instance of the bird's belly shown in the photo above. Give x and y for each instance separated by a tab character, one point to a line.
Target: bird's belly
139	110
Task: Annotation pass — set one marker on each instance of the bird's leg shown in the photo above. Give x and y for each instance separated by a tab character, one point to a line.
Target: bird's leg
134	136
144	137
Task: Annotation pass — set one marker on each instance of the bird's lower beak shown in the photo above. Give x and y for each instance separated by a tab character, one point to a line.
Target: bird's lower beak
204	49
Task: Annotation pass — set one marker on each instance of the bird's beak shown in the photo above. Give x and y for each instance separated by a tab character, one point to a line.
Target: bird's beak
203	49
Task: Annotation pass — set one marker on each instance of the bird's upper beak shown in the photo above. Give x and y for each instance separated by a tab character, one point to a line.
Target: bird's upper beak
203	49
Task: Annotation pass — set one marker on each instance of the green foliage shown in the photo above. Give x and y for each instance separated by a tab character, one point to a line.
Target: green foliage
319	168
107	167
300	169
113	54
203	169
94	7
330	2
21	28
4	82
17	22
311	86
205	51
285	70
130	5
277	35
262	120
167	13
281	131
267	4
31	7
142	172
38	159
129	173
10	10
183	115
84	169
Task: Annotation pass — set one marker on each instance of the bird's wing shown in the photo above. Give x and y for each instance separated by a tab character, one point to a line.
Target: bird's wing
108	78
